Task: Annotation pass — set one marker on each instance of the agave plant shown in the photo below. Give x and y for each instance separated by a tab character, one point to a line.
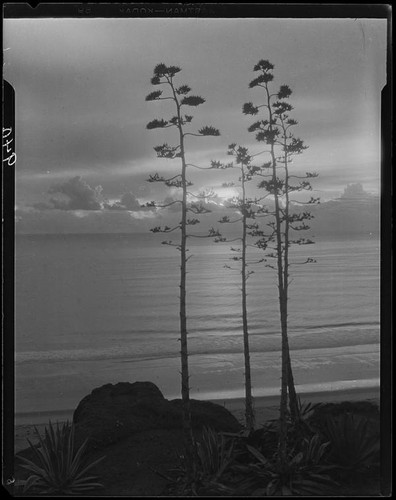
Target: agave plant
305	410
299	429
264	439
214	455
58	468
304	472
353	444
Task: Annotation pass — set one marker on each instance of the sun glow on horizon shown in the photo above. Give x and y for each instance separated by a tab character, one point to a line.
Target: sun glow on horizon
224	194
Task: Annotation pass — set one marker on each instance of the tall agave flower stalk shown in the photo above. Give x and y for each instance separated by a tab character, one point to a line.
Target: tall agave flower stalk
276	132
180	97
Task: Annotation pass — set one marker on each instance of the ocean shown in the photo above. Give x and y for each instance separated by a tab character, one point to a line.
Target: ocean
97	308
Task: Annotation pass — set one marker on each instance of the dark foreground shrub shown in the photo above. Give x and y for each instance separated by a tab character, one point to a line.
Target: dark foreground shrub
354	443
304	473
299	429
214	455
58	468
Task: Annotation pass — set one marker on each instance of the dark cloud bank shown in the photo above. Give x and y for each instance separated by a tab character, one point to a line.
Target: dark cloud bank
77	194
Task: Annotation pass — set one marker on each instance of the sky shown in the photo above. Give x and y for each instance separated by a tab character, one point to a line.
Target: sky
83	150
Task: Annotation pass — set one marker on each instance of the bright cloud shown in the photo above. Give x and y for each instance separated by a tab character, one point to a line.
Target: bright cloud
128	202
76	194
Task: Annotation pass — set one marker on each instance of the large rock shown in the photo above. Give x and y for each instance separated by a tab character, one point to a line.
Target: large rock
112	412
206	413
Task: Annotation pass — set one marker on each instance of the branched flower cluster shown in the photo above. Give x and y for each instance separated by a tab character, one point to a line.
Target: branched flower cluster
153	96
207	131
166	151
250	109
275	131
157	124
219	165
198	208
192	100
183	90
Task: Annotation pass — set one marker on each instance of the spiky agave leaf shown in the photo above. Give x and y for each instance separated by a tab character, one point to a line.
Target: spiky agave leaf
31	482
215	454
259	456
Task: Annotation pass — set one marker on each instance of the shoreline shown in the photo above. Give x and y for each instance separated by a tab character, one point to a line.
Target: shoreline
266	408
43	387
232	400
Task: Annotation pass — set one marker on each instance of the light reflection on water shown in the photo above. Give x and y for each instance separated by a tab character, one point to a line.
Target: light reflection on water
99	299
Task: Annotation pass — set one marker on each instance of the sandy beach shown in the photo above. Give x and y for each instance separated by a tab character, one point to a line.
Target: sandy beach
266	408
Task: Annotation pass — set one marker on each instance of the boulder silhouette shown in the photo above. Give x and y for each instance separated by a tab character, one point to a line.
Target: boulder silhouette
112	412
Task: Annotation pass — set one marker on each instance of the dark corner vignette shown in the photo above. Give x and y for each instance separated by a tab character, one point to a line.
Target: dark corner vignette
386	277
8	203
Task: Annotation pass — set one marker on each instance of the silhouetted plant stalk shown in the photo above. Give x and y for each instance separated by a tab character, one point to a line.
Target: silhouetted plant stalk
283	145
248	209
181	97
